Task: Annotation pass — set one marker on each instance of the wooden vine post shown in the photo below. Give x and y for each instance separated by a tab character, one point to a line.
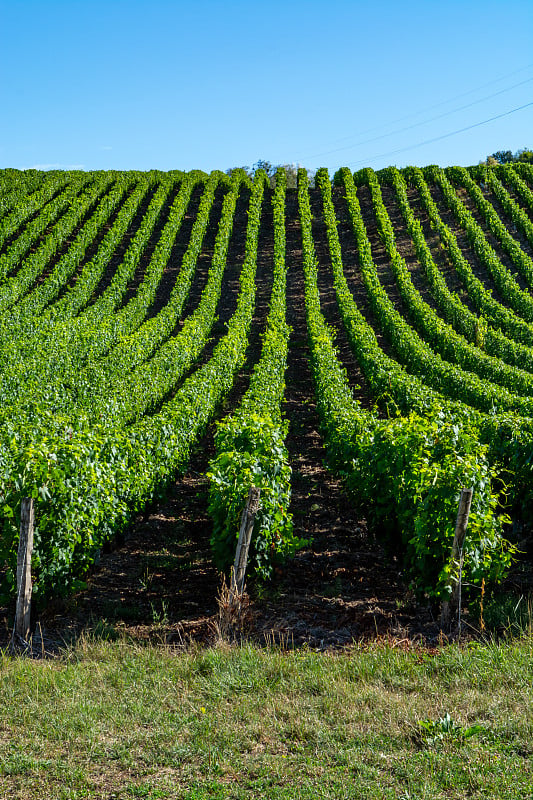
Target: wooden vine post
451	609
24	586
243	545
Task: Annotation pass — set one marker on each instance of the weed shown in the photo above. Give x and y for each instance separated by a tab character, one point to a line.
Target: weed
160	617
504	614
445	729
103	630
146	580
234	614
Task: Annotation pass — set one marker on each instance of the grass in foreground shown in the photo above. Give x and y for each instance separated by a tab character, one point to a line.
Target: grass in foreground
115	720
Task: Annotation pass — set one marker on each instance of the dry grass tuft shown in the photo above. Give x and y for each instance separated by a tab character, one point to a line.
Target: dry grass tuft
235	615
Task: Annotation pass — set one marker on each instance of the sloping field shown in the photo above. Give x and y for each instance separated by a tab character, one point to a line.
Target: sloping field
382	322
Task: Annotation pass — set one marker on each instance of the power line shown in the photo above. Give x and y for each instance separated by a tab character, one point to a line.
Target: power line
418	124
442	103
439	138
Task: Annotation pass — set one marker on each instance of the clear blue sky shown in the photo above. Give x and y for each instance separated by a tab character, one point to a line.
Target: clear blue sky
140	84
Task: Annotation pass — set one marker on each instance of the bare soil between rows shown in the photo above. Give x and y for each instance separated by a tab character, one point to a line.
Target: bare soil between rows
160	584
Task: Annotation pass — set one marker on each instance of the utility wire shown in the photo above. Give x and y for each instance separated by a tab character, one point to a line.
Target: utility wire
439	138
437	105
423	111
417	124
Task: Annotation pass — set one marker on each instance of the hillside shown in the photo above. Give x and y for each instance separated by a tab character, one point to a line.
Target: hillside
139	308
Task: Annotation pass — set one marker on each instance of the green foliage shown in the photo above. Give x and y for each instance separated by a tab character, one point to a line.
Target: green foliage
414	467
97	416
97	475
250	449
508	157
502	157
406	472
497	315
525	156
436	733
251	453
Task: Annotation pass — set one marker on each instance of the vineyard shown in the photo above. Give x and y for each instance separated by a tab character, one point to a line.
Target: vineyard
138	309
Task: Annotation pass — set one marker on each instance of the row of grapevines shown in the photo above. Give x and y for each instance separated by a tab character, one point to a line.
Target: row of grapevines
111	298
406	469
519	300
412	351
497	315
139	345
29	206
14	190
103	389
520	187
46	292
398	391
48	216
514	211
33	395
128	396
79	295
434	331
35	315
35	263
508	436
519	169
460	177
394	388
44	366
89	481
472	327
250	443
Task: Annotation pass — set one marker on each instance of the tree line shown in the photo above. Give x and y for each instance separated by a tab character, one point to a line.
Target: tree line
508	157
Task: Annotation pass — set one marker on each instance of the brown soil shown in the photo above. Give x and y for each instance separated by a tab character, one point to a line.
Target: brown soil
467	250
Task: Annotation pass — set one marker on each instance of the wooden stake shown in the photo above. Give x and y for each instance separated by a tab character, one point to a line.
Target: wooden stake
243	545
24	587
451	609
